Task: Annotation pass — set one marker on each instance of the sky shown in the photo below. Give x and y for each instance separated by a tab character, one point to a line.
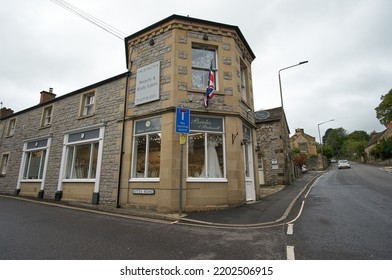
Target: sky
348	44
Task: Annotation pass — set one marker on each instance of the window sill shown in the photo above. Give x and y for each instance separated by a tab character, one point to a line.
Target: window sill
143	180
78	180
86	116
209	180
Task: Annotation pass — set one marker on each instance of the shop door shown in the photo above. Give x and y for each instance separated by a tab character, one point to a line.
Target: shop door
261	169
249	178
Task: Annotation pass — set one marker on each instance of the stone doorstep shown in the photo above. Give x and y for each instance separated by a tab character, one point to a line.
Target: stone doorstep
268	190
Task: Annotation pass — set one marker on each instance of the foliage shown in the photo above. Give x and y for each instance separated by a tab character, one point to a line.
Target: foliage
384	109
335	139
300	159
383	150
342	145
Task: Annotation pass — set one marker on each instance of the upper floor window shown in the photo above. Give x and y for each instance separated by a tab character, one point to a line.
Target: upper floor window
47	116
87	104
244	81
303	147
11	127
4	164
202	60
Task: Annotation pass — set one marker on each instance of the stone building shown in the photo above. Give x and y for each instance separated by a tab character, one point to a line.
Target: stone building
275	166
304	142
115	142
376	138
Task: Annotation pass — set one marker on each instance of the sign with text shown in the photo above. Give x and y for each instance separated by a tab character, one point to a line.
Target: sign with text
182	120
147	83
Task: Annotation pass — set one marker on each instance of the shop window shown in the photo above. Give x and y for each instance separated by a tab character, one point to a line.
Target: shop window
35	159
82	153
147	149
47	116
11	127
202	60
206	142
4	164
87	104
82	161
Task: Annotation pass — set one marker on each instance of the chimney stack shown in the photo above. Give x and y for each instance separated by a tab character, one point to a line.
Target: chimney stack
5	112
47	95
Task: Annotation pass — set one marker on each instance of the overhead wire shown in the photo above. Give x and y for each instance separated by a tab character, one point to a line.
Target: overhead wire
90	18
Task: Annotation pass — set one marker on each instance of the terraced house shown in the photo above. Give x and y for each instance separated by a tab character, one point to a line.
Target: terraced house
115	142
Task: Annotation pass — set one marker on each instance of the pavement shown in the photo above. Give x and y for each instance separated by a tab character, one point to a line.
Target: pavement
273	208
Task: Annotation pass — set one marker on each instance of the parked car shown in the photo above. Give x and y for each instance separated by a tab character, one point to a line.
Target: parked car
304	169
334	160
343	163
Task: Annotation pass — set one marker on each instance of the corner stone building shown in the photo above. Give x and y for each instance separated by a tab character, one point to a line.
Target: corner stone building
115	142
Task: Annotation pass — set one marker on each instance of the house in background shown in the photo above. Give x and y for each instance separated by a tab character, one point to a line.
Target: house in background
306	144
376	138
275	165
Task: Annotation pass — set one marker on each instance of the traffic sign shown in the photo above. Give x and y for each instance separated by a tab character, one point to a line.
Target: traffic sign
183	116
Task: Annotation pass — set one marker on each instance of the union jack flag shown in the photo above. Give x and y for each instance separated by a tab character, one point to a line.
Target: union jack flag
210	87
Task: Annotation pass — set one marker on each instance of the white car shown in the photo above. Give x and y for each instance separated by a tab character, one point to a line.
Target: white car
343	164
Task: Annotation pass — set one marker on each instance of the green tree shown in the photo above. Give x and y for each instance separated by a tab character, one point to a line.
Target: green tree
335	140
384	109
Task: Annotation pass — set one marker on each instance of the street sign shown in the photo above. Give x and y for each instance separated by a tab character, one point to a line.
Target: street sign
183	116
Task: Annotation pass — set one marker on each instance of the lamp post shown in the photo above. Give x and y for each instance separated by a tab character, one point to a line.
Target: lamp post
280	83
321	144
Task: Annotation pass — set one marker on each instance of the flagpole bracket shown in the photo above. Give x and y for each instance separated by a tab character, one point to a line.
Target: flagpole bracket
233	137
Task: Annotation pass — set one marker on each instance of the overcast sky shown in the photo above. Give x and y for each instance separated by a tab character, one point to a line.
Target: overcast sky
348	45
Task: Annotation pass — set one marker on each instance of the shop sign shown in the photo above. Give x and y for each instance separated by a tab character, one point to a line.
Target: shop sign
147	83
206	123
143	191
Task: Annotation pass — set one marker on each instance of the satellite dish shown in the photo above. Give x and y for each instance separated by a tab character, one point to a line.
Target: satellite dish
262	115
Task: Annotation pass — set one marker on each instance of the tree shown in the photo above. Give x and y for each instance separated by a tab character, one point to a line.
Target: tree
384	109
335	139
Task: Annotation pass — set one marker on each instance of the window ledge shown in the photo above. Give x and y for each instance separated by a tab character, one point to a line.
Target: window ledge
144	180
209	180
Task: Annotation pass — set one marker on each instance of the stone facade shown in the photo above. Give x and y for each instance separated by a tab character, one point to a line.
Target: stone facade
304	142
274	155
131	133
65	117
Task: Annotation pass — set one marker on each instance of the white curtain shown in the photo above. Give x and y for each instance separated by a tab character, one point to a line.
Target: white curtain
214	170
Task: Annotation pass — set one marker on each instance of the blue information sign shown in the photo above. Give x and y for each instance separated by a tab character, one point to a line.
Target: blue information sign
182	120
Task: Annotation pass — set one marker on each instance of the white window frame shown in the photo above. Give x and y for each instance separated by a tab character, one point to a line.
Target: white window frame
206	69
4	164
11	127
145	177
206	133
244	81
46	117
88	104
27	149
66	142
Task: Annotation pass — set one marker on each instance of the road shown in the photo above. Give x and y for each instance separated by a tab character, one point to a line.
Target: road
346	215
44	232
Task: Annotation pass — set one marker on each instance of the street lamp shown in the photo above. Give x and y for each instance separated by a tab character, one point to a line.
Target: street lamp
321	144
280	83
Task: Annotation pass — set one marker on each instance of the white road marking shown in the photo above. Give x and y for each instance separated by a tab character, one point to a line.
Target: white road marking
290	253
290	229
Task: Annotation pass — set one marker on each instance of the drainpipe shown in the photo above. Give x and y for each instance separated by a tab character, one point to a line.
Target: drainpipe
122	140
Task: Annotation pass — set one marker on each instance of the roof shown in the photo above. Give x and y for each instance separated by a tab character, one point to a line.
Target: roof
191	20
375	138
123	75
